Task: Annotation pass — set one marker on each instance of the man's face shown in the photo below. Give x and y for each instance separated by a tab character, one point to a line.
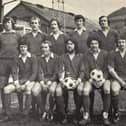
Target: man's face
94	45
122	44
45	48
23	49
70	46
104	22
79	23
35	25
54	26
8	25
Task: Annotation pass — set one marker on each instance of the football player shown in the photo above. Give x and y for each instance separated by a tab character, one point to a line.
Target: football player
27	72
70	67
117	69
47	77
35	37
57	37
95	58
80	33
34	40
9	39
107	36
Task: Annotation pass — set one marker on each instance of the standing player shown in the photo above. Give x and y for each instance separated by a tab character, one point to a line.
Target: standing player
8	51
80	34
107	36
57	37
27	67
117	69
95	58
34	40
47	76
70	65
35	37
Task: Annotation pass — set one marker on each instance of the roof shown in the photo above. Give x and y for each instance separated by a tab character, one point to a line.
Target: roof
119	12
49	13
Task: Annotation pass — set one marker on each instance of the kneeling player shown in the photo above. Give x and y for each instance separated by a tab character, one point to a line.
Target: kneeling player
117	69
47	76
27	72
96	75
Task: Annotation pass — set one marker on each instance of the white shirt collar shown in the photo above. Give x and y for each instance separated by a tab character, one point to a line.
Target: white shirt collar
50	56
36	33
27	55
59	33
96	54
106	29
39	31
83	29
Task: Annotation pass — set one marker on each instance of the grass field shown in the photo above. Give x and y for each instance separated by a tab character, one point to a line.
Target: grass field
19	120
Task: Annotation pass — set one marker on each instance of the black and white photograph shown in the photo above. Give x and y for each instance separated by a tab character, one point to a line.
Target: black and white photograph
62	62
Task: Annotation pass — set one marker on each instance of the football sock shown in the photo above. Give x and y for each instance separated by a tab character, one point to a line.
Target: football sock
20	100
115	103
106	102
51	103
86	103
40	102
27	103
78	103
7	104
60	104
92	96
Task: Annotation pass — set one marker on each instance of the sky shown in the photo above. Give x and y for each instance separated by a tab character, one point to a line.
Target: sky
91	9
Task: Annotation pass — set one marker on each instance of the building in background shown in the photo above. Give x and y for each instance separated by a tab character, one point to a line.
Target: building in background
118	19
25	10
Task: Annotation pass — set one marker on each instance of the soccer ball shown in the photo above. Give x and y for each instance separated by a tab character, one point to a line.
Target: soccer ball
70	83
97	78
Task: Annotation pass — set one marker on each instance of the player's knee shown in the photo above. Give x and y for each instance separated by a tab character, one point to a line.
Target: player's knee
107	90
28	91
8	90
35	90
115	88
35	93
59	92
115	91
52	91
79	90
106	87
86	91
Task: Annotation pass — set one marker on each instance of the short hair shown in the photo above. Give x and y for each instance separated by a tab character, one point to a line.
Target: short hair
23	42
74	42
47	42
56	20
35	18
6	19
103	17
79	17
